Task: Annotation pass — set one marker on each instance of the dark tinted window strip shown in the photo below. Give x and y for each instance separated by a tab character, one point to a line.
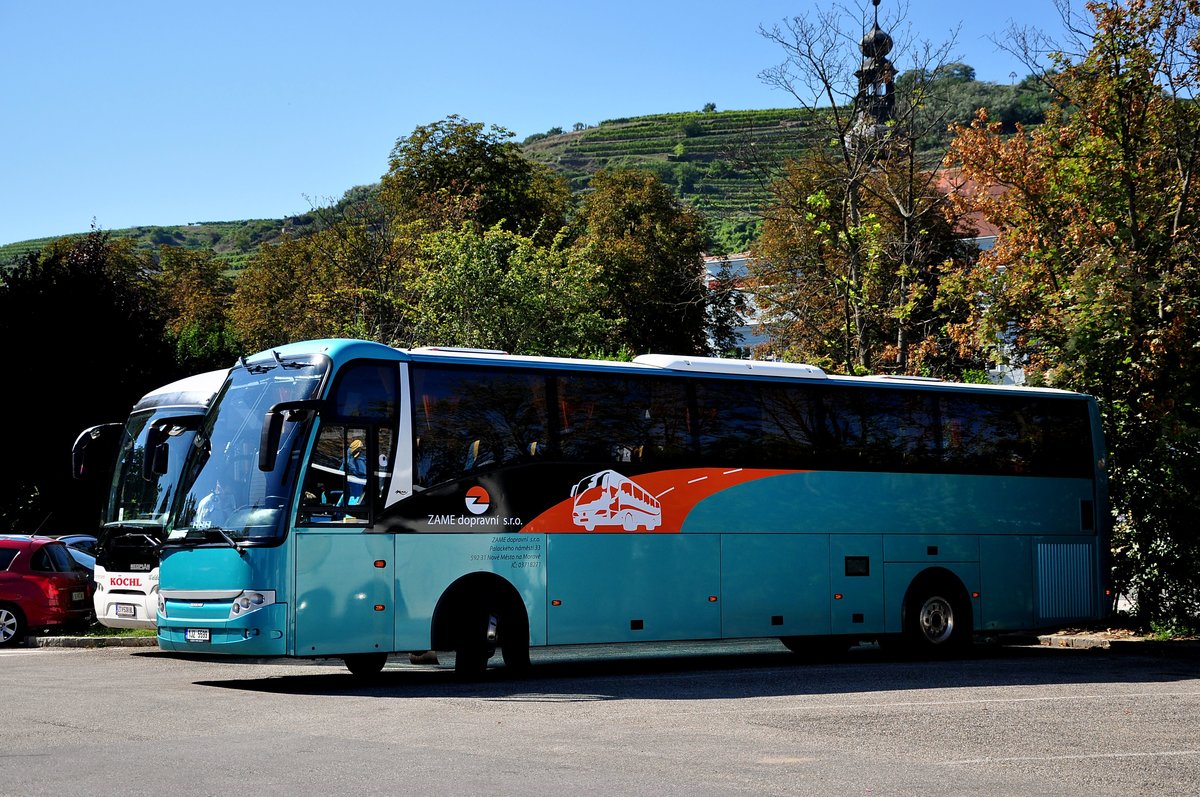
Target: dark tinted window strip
467	418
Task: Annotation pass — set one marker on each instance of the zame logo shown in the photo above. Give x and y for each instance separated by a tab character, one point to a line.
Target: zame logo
478	500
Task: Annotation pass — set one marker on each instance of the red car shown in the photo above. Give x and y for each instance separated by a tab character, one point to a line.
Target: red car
40	585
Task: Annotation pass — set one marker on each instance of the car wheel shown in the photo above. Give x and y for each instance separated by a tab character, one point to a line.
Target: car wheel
12	626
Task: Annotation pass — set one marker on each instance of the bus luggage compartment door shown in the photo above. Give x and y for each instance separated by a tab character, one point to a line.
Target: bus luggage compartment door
633	587
856	581
774	585
345	592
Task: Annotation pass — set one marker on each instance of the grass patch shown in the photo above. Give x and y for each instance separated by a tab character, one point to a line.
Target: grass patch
97	630
1164	630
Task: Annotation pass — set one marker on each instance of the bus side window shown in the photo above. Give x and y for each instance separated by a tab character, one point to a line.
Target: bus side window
356	467
336	480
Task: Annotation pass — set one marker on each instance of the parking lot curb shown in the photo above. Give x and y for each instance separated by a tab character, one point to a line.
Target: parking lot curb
1074	641
1133	645
93	642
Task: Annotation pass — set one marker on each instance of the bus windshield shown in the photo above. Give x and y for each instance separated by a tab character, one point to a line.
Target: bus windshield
222	494
139	497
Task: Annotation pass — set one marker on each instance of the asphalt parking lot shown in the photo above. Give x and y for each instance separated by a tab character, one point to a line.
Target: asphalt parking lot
674	720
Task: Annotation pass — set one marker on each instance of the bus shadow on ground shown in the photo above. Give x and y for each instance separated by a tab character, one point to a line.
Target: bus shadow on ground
713	675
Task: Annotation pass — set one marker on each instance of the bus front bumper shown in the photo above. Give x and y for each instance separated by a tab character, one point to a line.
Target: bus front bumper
258	633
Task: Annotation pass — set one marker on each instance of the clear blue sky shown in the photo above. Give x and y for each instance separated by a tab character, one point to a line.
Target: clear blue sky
145	112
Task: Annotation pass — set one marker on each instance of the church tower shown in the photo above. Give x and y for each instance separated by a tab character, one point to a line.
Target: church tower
876	83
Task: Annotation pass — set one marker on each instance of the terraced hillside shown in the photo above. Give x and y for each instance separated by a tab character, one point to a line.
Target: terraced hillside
710	158
717	161
230	241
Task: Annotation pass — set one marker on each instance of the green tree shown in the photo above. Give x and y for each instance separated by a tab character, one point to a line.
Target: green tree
455	170
378	266
196	296
859	292
371	254
951	94
1093	283
648	247
287	292
497	289
91	341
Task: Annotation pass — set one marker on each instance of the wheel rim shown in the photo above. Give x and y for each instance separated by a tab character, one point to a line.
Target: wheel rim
937	620
8	625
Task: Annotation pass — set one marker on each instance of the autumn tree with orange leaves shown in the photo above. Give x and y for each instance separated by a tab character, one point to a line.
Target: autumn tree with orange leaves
845	274
1093	284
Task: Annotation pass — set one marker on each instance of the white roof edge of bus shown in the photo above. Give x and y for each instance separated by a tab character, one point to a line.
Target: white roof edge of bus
455	350
208	382
486	355
720	365
904	378
942	383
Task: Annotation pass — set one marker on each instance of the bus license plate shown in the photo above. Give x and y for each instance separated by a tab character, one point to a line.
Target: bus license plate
196	635
78	596
126	610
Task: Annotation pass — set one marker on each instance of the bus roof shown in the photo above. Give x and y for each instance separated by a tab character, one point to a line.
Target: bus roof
720	365
342	349
191	391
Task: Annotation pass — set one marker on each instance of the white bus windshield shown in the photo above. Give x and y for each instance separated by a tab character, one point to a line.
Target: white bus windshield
139	496
222	490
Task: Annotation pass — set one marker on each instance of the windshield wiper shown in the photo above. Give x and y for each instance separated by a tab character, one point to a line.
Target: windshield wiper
292	364
202	535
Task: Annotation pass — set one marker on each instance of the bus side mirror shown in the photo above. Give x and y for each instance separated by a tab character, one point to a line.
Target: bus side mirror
155	455
156	460
94	444
272	429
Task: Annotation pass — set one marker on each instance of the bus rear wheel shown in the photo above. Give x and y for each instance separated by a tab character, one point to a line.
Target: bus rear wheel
365	665
937	620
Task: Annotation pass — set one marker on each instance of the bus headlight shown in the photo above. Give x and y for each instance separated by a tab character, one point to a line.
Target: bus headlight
162	605
251	600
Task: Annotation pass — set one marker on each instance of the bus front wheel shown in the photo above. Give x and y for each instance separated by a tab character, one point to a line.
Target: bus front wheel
475	644
365	665
505	630
514	643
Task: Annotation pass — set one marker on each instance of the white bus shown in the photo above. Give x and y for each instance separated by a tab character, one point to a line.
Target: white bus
163	422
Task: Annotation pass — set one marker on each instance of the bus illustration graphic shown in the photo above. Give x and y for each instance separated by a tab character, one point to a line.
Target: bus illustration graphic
609	499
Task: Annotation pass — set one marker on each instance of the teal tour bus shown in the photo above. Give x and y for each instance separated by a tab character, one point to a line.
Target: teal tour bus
346	499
